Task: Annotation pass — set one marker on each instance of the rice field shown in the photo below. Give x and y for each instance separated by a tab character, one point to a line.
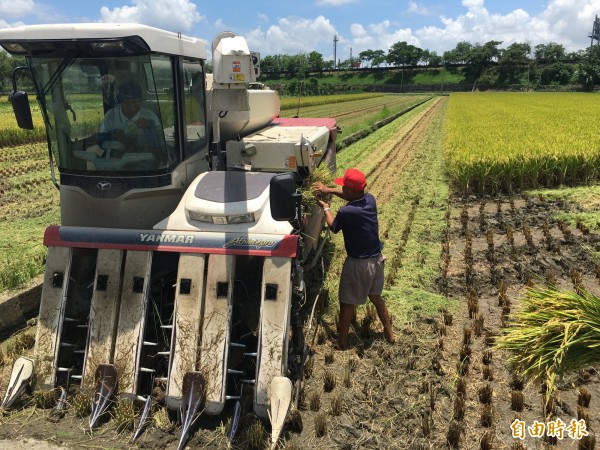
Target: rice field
511	141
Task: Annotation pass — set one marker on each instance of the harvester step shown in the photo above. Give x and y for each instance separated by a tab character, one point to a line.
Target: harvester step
233	397
247	381
77	377
167	353
252	355
148	343
167	327
146	370
235	372
237	344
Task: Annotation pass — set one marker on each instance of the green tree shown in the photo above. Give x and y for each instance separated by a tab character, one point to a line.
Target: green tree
378	58
315	61
7	64
431	58
513	62
404	54
459	54
479	59
557	73
549	53
372	57
328	65
366	57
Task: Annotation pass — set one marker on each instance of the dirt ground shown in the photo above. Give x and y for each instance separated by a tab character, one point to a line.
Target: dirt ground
441	385
408	395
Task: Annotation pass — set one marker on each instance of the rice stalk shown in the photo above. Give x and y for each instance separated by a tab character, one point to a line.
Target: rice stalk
310	195
555	332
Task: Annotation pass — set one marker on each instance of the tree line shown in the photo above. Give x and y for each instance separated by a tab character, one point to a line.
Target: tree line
545	64
480	63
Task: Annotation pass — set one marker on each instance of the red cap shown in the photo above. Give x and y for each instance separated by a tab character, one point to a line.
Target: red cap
353	179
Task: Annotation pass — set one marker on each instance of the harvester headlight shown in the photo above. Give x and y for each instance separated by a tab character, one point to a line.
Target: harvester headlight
201	217
241	218
222	220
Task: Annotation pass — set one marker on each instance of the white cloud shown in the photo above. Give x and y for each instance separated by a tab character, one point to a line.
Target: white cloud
16	8
292	35
262	17
564	21
376	36
173	15
415	8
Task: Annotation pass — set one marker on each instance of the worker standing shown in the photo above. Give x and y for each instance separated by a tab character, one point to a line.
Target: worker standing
363	271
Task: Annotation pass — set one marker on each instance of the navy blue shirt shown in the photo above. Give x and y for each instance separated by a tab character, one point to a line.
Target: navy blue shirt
358	222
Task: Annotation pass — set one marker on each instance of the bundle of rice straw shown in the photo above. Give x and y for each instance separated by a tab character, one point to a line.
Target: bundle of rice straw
555	332
321	174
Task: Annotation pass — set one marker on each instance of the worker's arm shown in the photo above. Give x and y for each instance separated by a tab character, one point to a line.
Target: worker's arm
327	212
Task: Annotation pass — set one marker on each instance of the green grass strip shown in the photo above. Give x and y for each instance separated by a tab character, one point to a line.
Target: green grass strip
412	292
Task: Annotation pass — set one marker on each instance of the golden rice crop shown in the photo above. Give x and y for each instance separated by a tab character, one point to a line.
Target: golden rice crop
505	141
555	332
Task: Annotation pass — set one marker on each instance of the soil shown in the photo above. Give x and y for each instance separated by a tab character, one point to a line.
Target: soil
414	394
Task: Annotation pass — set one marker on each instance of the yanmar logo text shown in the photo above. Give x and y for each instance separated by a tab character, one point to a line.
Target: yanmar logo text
168	238
243	241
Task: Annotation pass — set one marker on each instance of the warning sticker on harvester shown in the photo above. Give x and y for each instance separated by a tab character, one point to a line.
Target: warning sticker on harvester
236	66
236	77
290	162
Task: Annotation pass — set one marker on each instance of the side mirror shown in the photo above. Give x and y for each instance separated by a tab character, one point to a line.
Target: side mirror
21	108
283	196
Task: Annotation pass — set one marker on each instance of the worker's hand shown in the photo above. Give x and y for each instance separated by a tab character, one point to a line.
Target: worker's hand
323	204
320	187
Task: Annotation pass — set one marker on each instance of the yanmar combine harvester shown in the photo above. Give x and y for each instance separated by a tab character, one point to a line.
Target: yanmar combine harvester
179	262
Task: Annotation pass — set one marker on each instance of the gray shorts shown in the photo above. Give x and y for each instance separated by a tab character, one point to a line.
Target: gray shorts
361	278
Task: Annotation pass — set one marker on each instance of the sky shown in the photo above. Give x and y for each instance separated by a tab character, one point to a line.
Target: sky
302	26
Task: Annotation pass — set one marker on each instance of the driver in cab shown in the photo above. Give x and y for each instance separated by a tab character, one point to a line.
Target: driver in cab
130	125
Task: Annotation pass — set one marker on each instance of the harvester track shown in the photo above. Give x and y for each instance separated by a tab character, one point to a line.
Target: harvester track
403	150
395	161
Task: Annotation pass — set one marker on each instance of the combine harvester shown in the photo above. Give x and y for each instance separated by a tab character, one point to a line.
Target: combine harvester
179	264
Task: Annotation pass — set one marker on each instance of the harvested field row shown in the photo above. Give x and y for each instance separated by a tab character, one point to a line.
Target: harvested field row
498	247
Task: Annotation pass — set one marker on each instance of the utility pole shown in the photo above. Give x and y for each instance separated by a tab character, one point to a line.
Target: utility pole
595	34
335	41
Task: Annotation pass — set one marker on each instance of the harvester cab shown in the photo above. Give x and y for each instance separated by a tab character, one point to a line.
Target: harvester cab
177	272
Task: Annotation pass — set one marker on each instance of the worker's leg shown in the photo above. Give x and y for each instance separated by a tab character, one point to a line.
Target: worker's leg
384	316
346	312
